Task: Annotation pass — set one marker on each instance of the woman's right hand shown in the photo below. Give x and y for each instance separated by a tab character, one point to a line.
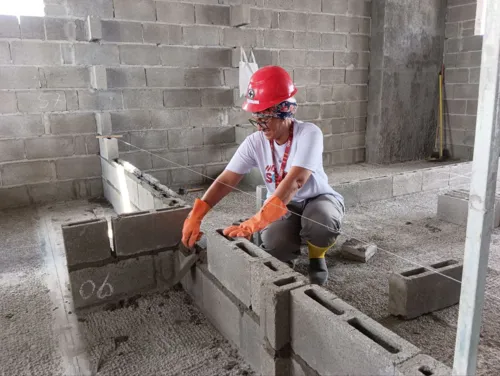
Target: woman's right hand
191	230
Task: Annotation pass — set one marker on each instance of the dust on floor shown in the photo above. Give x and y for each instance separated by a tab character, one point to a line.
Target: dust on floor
41	335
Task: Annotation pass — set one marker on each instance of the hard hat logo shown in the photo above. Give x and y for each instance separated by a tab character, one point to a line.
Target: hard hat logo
251	93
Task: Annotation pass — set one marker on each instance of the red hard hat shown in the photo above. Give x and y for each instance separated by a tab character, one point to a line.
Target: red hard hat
268	86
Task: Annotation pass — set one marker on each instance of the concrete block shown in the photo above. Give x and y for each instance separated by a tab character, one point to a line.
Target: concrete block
120	31
165	77
64	77
468	59
146	196
165	269
214	57
139	55
329	334
461	13
21	126
240	15
334	6
145	231
119	203
275	309
78	167
11	150
453	207
435	178
96	54
212	14
356	250
207	77
5	53
182	98
14	197
415	292
8	102
460	175
113	173
321	23
103	121
93	28
64	29
112	282
298	367
273	364
250	344
175	12
108	148
148	98
375	189
35	53
100	100
102	8
198	35
320	59
242	37
149	140
26	172
86	241
32	27
162	34
192	282
170	118
336	42
293	21
278	39
218	135
306	40
47	101
179	56
407	183
423	364
130	120
232	263
220	307
9	27
50	147
142	10
125	77
242	132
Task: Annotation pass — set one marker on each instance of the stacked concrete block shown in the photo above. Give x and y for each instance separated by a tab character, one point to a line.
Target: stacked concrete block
328	334
462	59
418	291
86	242
453	207
356	250
148	231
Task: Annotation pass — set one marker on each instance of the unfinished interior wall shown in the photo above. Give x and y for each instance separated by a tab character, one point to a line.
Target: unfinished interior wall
171	75
462	61
406	56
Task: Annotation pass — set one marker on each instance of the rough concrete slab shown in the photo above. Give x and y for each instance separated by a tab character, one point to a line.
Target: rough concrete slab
356	250
275	315
424	365
418	291
86	241
112	282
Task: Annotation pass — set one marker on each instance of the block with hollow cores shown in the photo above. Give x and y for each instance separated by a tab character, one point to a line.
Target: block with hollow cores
275	308
268	270
250	343
331	335
108	148
274	363
111	282
356	250
298	367
232	262
453	207
422	290
423	365
86	241
146	231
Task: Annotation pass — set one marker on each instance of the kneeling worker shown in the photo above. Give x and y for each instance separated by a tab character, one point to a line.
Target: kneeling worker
289	155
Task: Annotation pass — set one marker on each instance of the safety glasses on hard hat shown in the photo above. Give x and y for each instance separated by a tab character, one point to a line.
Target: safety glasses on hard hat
262	123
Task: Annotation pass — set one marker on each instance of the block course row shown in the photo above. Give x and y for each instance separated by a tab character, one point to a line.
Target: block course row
140	259
298	326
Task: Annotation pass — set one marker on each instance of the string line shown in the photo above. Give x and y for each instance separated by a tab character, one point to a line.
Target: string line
309	219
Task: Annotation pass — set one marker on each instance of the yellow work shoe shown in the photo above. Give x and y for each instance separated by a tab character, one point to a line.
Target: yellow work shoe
318	271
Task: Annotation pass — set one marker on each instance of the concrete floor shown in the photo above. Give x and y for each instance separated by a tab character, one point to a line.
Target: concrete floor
40	335
165	333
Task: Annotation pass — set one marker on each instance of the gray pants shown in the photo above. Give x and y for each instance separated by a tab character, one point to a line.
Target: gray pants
320	225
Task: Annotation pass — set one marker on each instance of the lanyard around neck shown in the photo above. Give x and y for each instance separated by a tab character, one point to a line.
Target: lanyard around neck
280	174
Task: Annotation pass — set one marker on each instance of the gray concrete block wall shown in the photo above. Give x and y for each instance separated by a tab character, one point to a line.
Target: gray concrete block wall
122	57
462	59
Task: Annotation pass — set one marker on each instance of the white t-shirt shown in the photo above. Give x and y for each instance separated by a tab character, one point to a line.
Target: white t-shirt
306	152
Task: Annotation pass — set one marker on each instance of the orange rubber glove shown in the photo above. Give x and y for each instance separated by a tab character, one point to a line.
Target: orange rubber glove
191	229
272	210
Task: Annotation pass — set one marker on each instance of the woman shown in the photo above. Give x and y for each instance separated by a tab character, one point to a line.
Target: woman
289	155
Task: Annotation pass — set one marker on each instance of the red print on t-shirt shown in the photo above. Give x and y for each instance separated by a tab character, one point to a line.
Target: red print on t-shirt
271	174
